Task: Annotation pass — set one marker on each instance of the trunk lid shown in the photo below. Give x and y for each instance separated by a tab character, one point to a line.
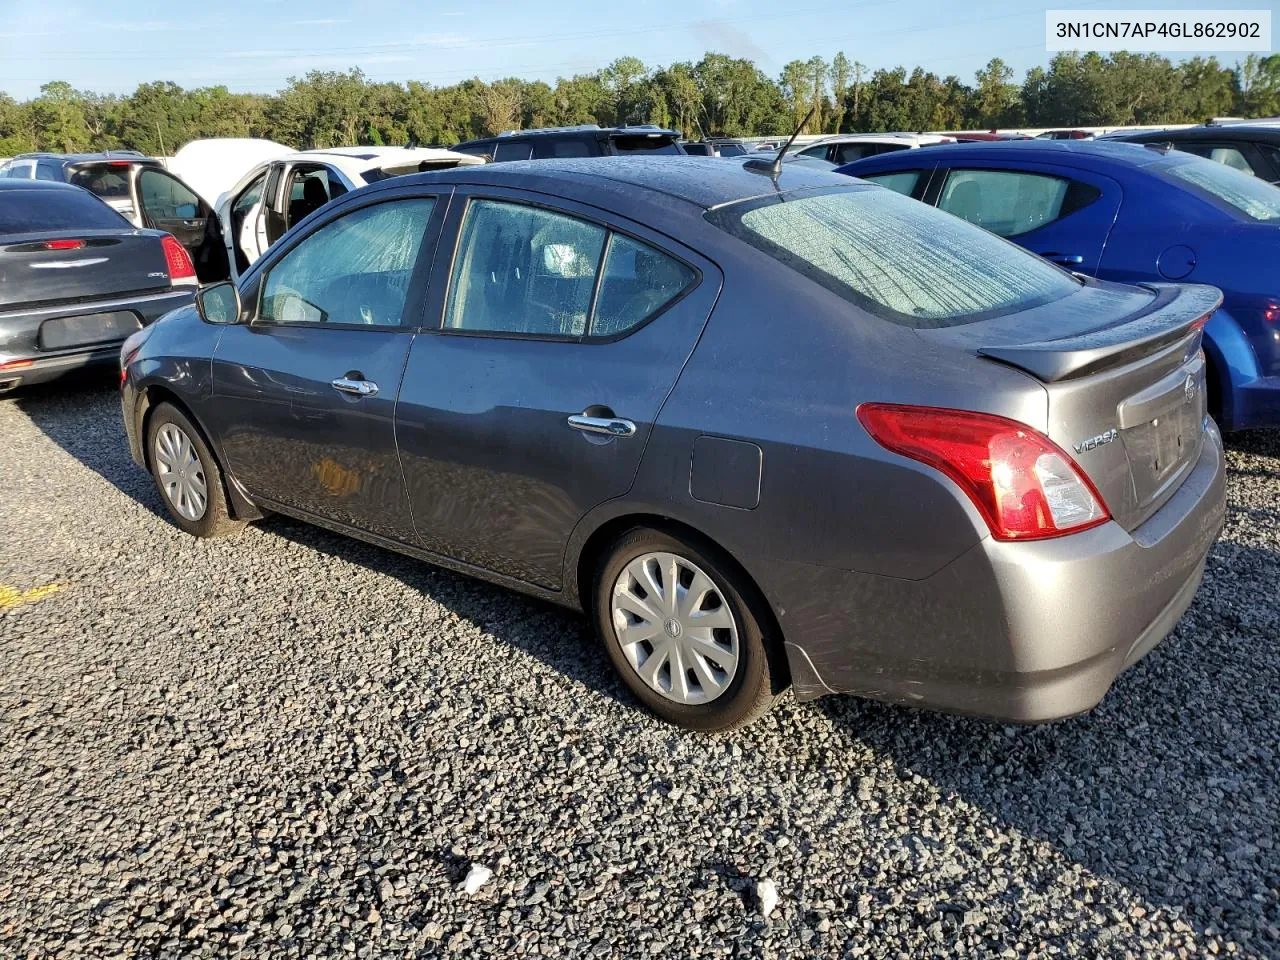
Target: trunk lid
72	265
1125	377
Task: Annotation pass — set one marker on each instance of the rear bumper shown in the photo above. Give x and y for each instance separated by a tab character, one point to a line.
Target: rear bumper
50	367
23	363
1023	632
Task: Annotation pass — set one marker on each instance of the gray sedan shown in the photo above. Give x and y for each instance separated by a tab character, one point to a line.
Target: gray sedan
763	430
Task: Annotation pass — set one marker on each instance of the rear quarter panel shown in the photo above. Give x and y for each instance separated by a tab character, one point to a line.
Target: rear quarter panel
784	364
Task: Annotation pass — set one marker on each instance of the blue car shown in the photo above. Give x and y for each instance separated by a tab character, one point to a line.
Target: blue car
1133	214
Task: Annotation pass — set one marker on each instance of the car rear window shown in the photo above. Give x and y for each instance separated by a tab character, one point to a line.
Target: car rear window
27	211
108	182
894	257
1256	199
663	145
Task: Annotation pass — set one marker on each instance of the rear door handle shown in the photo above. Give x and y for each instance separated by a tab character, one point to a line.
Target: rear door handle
1064	259
608	426
357	388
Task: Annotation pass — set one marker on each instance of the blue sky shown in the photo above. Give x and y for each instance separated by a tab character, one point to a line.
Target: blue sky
255	46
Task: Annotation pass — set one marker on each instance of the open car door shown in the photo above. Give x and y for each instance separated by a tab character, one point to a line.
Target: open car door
166	203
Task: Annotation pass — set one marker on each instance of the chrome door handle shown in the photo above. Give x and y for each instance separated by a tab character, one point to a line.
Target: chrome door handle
609	426
357	388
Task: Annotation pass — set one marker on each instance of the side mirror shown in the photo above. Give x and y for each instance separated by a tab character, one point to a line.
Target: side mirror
219	303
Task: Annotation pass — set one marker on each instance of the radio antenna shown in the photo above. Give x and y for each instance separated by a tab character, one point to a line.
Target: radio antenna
774	167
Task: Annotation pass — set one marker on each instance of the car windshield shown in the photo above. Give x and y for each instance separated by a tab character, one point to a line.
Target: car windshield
895	257
1255	198
664	145
24	211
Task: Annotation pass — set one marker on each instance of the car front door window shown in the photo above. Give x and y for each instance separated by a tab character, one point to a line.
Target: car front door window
356	270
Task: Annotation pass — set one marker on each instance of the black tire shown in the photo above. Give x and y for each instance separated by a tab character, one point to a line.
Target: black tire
216	520
761	671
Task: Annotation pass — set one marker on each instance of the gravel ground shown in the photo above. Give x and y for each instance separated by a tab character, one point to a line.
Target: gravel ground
292	744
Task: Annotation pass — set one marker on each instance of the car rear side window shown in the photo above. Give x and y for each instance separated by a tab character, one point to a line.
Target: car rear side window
903	182
1009	202
895	257
637	282
849	152
110	183
645	145
354	270
526	271
1252	197
25	211
1218	153
512	151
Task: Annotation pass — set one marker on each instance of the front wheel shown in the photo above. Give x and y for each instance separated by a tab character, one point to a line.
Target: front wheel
678	623
187	475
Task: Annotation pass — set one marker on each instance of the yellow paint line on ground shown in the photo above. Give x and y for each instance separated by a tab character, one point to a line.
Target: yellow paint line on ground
11	597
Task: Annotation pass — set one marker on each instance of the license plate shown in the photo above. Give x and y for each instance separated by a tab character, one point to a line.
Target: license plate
62	332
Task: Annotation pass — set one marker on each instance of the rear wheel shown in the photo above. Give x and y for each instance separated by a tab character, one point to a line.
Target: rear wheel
679	624
187	475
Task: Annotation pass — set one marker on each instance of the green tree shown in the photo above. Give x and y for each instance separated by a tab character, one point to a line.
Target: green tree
58	119
995	100
15	128
841	73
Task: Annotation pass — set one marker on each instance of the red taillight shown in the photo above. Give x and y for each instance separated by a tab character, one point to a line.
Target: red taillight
1271	313
16	364
181	269
63	244
1025	486
119	163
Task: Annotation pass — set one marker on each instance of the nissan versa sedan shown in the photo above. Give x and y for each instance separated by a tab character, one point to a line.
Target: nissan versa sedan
763	428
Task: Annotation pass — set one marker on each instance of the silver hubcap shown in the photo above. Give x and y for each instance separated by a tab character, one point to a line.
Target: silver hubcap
675	628
180	472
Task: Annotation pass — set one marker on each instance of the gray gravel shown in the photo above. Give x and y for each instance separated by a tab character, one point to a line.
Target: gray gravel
291	744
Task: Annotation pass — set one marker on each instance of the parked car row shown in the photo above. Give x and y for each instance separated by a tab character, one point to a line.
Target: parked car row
569	377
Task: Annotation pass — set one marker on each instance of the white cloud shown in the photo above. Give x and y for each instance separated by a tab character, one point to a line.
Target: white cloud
318	23
440	40
142	26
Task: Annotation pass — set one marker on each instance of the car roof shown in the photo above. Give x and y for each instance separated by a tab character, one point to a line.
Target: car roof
703	181
382	154
640	130
1217	131
7	184
81	157
1085	152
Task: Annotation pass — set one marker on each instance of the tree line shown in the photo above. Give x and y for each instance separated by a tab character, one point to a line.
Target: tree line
717	96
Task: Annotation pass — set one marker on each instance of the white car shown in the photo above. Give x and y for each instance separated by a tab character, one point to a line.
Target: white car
276	194
848	147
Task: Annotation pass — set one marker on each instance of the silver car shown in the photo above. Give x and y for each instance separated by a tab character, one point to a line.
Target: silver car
764	430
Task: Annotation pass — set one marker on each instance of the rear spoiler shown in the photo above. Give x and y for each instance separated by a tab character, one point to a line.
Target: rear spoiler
1176	311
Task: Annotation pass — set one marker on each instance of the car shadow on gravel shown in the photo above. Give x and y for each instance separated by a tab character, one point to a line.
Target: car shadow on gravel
1168	787
81	414
558	638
